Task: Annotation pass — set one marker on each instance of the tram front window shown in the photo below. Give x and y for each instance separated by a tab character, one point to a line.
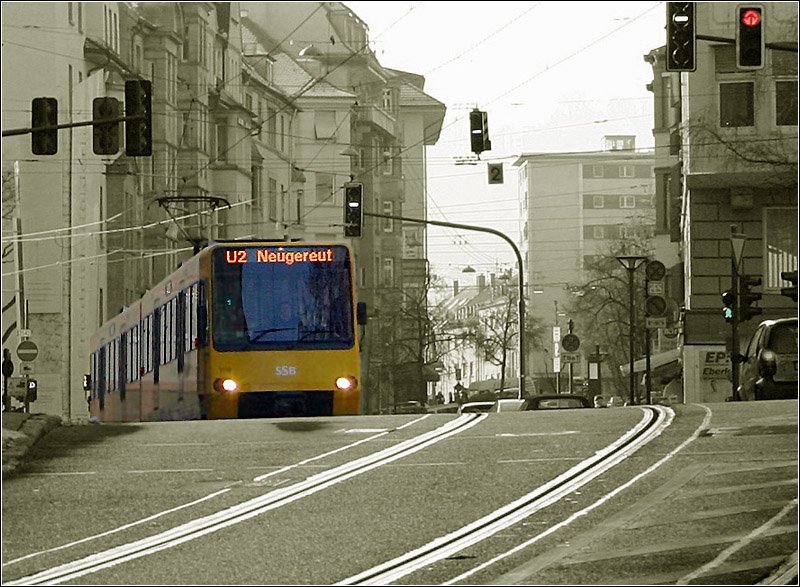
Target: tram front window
272	297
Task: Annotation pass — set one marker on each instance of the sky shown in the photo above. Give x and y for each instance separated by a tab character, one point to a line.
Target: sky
552	77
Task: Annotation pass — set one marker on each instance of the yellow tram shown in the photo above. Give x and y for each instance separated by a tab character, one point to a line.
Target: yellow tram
240	330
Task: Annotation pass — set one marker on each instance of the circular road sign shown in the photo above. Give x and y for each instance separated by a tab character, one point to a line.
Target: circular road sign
571	343
655	270
27	350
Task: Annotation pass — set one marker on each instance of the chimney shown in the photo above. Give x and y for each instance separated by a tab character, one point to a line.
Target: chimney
481	281
455	288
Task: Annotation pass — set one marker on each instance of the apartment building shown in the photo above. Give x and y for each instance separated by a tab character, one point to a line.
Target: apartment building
726	142
253	137
573	205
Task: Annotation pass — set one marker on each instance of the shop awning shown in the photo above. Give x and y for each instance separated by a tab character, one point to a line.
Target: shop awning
665	363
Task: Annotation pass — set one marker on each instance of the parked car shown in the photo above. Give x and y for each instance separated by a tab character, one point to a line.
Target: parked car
506	405
474	407
769	362
410	407
556	401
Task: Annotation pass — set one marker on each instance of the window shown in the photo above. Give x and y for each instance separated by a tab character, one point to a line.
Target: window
627	171
736	104
222	141
388	161
255	191
325	124
780	245
388	223
273	199
786	103
324	187
387	100
627	201
597	171
388	271
598	202
272	126
598	232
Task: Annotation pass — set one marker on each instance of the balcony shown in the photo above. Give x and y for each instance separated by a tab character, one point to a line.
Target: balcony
377	117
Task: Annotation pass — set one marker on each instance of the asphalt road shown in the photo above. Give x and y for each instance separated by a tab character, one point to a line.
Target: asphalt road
712	498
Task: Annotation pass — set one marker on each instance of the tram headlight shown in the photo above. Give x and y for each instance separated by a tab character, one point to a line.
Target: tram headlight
346	383
225	385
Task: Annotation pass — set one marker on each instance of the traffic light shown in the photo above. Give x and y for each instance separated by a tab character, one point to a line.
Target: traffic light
479	132
747	297
681	36
105	126
655	304
44	113
749	37
139	132
728	306
353	210
33	390
791	277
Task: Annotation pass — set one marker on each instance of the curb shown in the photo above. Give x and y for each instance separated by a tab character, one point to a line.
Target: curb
17	443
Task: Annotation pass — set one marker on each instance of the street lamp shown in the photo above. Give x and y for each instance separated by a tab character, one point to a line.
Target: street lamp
631	263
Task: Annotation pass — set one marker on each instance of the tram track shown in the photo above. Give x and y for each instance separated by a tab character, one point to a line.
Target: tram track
246	510
654	421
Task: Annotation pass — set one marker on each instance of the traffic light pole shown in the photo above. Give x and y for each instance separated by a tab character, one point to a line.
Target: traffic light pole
25	131
735	332
521	391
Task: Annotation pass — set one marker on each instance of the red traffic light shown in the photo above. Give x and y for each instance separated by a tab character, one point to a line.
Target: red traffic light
751	17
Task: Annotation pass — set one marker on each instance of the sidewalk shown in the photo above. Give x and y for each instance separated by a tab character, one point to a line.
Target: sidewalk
20	433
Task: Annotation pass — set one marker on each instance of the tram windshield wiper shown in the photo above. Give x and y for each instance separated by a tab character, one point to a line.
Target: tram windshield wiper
260	333
310	333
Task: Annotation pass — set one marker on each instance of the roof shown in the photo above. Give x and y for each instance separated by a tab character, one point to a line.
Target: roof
610	155
292	78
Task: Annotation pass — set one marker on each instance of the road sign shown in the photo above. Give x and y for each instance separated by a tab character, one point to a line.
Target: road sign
571	357
495	172
654	322
655	288
27	350
556	334
571	342
671	332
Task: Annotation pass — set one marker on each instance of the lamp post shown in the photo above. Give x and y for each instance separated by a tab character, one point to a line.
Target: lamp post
631	263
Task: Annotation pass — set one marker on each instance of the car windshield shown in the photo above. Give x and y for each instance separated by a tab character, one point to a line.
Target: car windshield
273	297
783	339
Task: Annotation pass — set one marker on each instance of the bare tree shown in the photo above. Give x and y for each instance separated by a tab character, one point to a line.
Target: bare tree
601	306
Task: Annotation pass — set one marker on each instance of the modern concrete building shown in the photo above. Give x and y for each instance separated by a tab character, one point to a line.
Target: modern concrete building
572	206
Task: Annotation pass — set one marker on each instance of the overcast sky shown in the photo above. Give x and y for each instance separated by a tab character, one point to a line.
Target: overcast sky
552	76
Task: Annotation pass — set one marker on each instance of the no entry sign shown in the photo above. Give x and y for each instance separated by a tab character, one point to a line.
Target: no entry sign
27	351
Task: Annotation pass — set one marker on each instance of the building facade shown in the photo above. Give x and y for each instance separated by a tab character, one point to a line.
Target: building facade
573	206
727	144
251	139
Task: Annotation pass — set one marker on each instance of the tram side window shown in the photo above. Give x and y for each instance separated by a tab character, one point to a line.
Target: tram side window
109	366
93	374
147	343
133	346
190	318
168	333
122	363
